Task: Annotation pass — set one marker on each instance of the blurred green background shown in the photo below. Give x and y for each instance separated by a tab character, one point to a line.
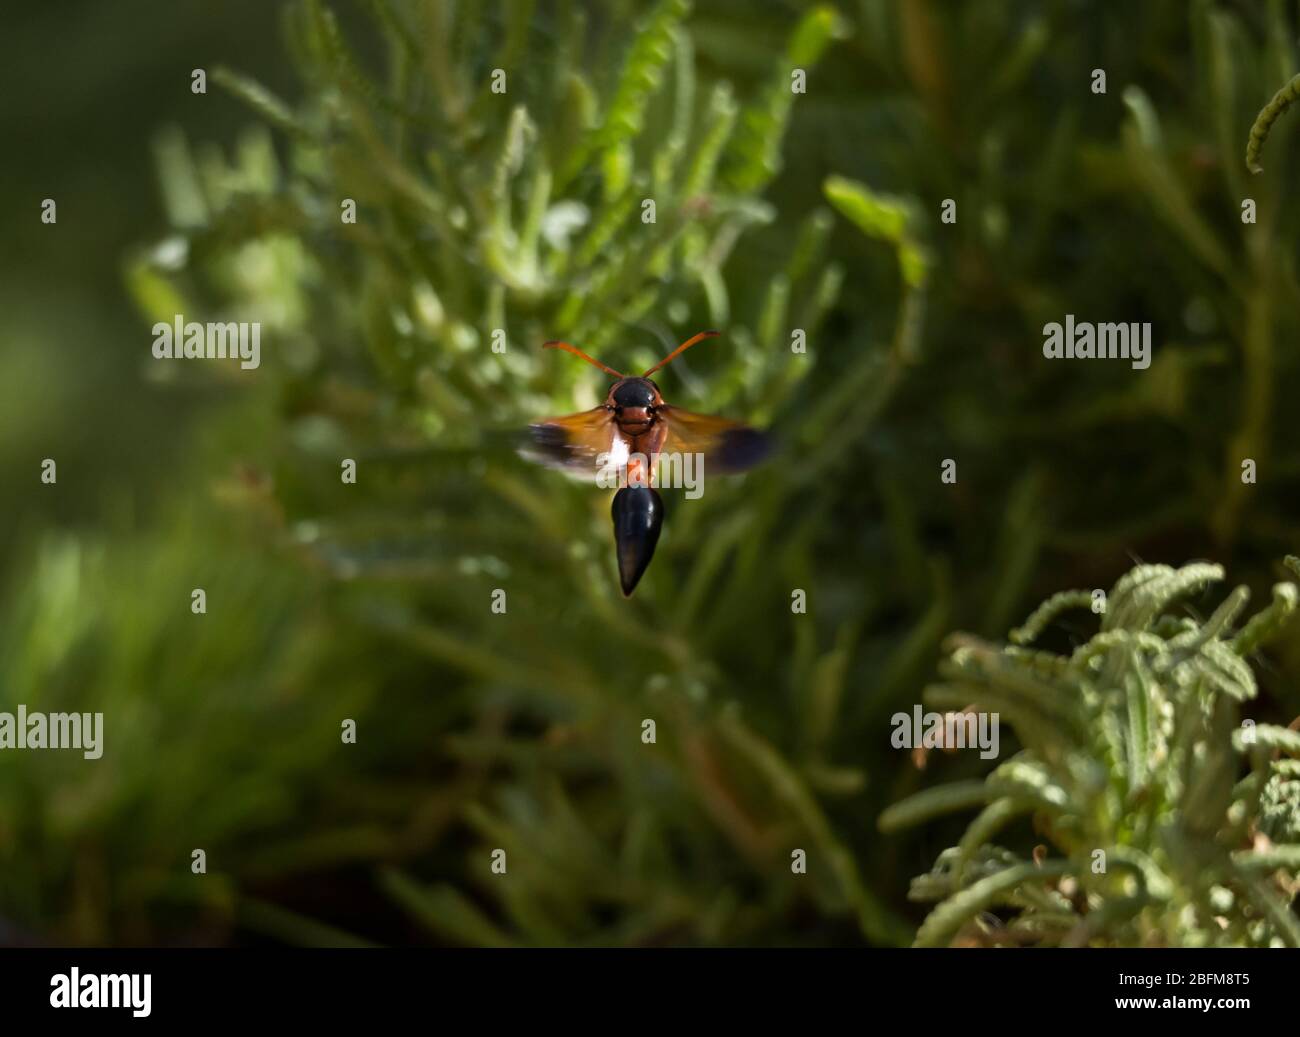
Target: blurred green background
775	211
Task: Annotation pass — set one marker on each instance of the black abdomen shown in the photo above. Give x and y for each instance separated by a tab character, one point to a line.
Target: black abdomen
638	514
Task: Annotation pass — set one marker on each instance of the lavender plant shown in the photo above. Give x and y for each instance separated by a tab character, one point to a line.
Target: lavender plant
433	181
1131	751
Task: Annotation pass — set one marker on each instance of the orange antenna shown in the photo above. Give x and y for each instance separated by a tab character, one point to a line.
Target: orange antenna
682	349
578	352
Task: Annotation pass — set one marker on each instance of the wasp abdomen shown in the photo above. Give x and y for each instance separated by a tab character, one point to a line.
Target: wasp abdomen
638	515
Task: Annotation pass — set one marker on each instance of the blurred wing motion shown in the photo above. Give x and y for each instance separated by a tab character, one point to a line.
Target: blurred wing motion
571	443
727	446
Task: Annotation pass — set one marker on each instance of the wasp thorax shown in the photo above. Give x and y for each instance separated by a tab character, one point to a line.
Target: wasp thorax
634	392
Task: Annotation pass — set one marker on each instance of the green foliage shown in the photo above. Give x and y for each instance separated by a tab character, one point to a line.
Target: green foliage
522	212
755	158
1128	767
1263	124
107	627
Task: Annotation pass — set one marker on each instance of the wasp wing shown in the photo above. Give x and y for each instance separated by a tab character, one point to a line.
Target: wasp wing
574	443
728	446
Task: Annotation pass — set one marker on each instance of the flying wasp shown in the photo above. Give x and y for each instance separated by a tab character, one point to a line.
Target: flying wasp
628	433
